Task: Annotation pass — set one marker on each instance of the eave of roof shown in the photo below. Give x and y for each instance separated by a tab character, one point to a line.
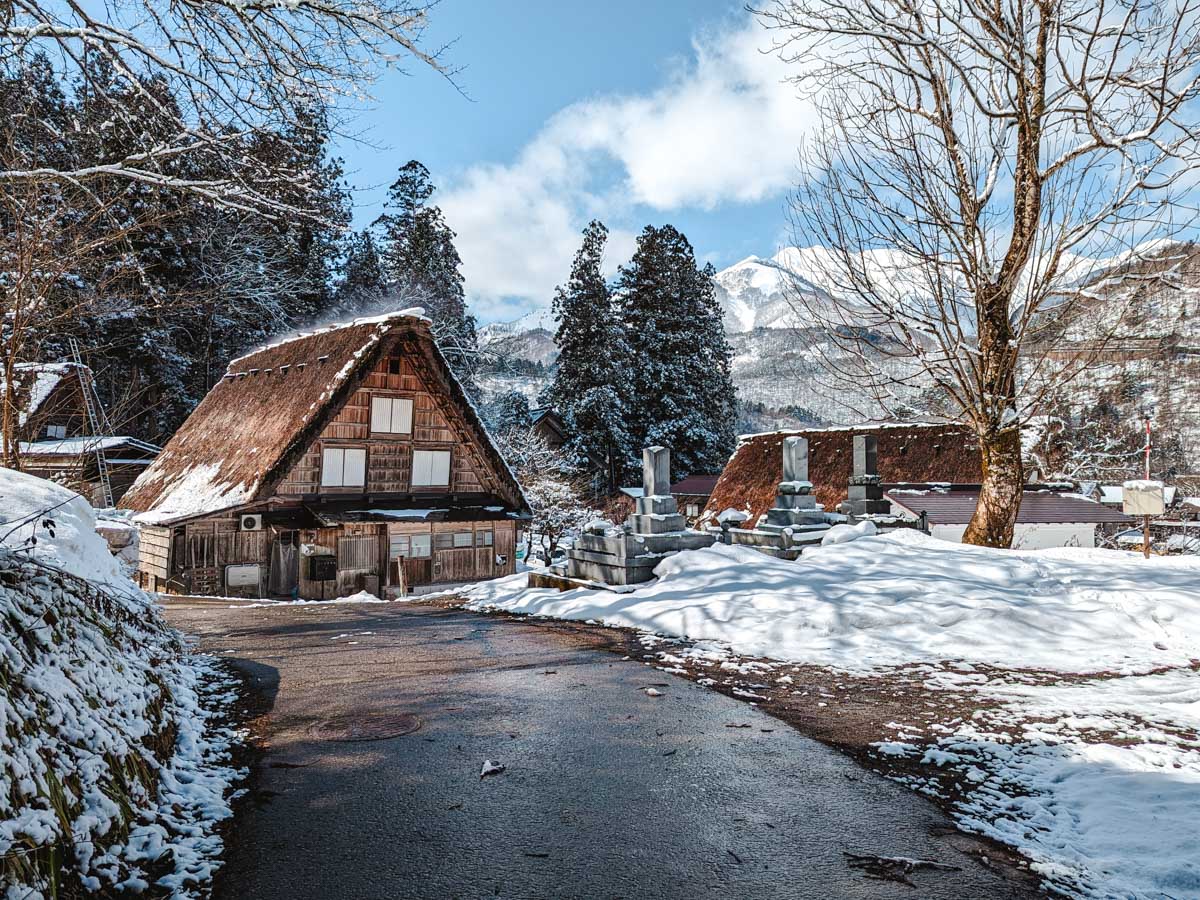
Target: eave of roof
956	507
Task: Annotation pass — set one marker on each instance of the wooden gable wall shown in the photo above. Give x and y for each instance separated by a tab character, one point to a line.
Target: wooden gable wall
436	425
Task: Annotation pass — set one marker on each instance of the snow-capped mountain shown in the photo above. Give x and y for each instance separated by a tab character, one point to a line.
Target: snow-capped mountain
757	293
1152	309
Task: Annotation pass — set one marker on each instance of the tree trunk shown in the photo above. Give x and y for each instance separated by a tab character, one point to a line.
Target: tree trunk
10	451
1000	495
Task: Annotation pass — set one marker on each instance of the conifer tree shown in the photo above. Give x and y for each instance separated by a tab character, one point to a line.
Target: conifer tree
420	261
586	390
363	284
679	391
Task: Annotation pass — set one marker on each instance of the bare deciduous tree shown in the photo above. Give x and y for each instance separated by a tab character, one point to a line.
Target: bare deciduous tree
57	264
237	69
974	163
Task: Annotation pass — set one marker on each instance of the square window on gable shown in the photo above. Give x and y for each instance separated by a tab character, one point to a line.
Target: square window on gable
394	365
391	415
56	431
431	468
343	467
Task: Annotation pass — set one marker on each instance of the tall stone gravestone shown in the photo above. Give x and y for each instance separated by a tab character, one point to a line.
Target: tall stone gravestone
865	491
795	506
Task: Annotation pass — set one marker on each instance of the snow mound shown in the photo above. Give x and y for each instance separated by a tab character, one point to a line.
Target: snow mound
844	534
28	502
905	597
363	596
113	772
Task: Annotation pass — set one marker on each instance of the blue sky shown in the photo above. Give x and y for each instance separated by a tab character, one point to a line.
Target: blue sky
633	112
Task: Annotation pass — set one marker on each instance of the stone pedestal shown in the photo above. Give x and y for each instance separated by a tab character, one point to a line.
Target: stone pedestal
628	555
865	491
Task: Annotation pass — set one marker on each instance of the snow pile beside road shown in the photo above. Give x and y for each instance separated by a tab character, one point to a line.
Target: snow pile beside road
70	543
905	597
113	769
1080	666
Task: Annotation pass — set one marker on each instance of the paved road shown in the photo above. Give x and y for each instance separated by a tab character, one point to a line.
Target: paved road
608	792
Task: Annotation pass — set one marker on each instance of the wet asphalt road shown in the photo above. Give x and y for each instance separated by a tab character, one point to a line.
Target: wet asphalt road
608	792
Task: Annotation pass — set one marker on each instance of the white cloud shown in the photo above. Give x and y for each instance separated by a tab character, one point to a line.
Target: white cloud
723	128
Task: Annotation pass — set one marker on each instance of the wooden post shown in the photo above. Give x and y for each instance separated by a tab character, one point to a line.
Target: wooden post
1146	519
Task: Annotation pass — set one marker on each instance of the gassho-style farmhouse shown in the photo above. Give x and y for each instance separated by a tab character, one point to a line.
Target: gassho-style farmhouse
345	459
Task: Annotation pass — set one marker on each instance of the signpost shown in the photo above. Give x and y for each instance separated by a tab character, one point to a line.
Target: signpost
1144	498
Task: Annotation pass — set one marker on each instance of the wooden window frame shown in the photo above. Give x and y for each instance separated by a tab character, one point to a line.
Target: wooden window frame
432	486
391	398
343	448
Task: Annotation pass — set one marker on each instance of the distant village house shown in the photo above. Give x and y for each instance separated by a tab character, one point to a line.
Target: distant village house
60	437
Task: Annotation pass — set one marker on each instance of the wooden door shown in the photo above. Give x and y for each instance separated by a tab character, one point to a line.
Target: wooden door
506	546
454	565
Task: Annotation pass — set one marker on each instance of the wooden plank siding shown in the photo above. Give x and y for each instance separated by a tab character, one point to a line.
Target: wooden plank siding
154	555
389	456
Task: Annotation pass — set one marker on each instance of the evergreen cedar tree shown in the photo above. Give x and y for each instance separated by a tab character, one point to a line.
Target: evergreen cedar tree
588	385
363	284
510	412
679	390
645	364
421	264
179	295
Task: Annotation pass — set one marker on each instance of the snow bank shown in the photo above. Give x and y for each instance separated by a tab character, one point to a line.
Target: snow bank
69	543
114	772
905	597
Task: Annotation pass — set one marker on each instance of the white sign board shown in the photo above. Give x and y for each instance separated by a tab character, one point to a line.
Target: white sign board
1143	498
241	576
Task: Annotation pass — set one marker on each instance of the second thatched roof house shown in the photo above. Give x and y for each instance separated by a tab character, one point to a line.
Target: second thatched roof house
345	459
906	453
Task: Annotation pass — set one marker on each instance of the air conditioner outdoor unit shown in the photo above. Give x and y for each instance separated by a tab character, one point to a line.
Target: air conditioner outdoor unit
251	523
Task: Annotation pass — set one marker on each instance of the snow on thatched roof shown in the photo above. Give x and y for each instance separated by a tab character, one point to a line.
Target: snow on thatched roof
270	405
35	382
923	452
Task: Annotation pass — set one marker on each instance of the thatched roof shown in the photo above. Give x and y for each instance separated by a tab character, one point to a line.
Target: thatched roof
907	453
36	383
269	407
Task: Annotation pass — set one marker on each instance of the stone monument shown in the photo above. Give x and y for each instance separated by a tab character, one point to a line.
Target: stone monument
795	517
628	555
865	494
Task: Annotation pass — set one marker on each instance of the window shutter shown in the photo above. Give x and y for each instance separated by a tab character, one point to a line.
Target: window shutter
402	408
381	414
355	472
441	467
331	467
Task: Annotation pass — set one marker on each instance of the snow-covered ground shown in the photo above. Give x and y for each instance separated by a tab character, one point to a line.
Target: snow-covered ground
112	752
1081	666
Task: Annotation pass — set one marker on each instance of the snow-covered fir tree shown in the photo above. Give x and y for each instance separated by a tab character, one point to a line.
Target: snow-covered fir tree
509	412
421	261
363	284
679	392
587	386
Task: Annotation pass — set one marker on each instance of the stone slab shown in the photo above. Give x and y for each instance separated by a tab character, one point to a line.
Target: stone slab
658	506
656	472
657	524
